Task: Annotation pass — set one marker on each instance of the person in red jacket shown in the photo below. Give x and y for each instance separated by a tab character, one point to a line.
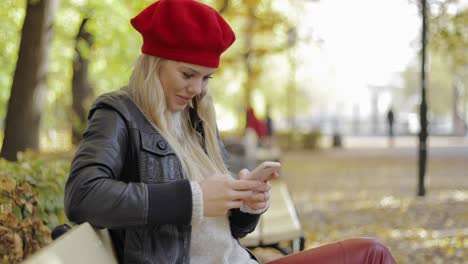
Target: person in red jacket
256	124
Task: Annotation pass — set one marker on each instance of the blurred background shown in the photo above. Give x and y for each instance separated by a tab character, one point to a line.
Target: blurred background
324	73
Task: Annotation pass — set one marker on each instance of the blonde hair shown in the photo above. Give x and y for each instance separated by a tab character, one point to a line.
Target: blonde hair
146	91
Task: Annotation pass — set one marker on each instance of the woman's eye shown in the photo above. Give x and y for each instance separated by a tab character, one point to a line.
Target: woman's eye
206	78
187	75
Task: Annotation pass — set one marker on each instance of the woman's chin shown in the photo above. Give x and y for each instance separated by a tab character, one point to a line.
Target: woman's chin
178	108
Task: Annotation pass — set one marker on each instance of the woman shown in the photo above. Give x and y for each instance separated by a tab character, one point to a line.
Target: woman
151	167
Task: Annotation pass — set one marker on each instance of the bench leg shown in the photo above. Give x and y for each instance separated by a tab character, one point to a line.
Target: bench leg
59	230
281	249
298	244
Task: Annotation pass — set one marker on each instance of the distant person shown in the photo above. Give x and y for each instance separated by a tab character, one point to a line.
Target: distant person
256	124
270	127
390	121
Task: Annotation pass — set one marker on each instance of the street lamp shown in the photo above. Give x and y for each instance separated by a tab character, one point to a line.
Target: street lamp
292	39
423	108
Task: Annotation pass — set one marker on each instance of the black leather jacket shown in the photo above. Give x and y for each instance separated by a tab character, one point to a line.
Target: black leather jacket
126	177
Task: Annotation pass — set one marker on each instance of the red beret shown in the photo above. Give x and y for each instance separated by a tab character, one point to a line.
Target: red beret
184	30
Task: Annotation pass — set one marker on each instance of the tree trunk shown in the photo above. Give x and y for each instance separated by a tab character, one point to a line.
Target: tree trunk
249	55
458	121
248	60
422	158
29	83
224	7
81	88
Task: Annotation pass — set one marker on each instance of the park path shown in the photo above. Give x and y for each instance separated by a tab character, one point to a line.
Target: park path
368	189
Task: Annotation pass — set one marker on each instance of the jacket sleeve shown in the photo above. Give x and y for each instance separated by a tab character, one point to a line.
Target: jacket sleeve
93	194
242	223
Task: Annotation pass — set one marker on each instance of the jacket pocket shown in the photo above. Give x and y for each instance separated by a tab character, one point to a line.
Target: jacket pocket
158	162
168	244
136	249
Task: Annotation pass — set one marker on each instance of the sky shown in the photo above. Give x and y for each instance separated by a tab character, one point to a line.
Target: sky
361	44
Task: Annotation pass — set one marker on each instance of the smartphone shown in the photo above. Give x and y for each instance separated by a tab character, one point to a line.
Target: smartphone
264	170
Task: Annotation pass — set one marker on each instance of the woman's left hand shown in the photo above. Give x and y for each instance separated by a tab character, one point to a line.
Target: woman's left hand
258	200
260	197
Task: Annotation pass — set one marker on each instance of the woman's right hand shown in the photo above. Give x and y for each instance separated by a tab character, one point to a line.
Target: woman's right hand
222	193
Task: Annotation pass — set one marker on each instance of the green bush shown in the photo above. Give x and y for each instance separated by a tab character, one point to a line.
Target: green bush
294	140
31	203
311	140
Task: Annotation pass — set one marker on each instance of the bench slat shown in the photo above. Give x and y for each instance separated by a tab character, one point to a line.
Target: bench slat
279	223
82	244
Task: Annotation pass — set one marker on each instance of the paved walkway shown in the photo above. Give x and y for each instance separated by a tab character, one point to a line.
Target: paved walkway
449	147
368	189
403	142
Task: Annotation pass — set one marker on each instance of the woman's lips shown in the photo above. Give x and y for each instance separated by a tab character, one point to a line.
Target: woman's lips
183	99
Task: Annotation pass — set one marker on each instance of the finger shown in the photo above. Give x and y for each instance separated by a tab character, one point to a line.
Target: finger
234	204
257	197
265	196
241	195
276	175
264	187
243	174
242	185
257	206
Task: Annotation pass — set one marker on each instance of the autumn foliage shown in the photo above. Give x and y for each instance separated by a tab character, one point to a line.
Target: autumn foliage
31	198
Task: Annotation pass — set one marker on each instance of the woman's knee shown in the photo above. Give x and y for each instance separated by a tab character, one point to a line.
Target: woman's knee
364	242
350	251
366	250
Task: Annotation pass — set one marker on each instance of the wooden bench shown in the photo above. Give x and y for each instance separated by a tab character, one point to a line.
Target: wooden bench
279	224
82	244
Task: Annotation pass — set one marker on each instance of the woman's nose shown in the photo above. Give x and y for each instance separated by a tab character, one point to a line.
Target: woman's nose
196	87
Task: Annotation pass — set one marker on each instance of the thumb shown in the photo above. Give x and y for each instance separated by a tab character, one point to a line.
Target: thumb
244	173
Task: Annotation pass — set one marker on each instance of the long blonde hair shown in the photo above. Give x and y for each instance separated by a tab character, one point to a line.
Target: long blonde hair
146	91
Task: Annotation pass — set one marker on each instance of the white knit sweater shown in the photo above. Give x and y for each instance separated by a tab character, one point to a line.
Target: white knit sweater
212	242
211	239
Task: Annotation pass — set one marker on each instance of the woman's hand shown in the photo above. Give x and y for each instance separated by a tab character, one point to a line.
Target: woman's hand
222	193
260	196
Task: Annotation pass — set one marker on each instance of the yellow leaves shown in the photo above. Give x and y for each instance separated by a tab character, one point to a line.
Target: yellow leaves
23	227
311	235
20	225
252	3
341	195
11	246
450	251
29	207
18	245
7	184
460	242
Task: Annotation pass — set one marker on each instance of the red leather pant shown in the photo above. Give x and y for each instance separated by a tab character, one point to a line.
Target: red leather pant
351	251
